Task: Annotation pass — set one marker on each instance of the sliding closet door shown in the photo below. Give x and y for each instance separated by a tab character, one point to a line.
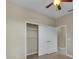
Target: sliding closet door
52	40
42	38
47	37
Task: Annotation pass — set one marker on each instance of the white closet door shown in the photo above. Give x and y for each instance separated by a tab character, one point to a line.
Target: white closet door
52	41
42	39
47	40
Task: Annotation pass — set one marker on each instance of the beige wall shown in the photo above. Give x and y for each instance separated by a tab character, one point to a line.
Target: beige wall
67	20
16	17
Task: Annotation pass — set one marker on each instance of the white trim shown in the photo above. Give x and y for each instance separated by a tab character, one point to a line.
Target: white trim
66	34
26	37
61	26
66	38
62	50
32	53
25	40
69	55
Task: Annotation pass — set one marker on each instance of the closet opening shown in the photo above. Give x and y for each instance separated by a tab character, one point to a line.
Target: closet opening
32	40
62	39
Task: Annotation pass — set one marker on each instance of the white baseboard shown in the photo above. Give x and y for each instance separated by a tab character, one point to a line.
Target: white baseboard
32	53
69	55
62	51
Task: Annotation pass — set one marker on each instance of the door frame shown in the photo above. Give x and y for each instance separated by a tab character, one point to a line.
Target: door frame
26	36
66	35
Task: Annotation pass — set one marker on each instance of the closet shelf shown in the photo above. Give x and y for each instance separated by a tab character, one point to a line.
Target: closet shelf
31	30
32	38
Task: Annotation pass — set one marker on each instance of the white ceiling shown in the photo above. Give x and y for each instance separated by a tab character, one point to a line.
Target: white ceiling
39	6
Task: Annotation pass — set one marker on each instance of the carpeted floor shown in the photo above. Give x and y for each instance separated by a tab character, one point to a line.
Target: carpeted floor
49	56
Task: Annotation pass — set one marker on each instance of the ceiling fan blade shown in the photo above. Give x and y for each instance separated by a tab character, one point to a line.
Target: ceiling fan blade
66	0
70	10
59	7
49	5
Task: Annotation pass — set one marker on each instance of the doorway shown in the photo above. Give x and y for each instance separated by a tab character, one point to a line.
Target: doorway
32	39
62	39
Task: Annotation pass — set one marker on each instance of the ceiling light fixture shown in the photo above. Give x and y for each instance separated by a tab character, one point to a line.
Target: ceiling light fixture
57	2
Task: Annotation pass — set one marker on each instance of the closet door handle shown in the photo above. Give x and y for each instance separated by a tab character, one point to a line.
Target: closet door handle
48	41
